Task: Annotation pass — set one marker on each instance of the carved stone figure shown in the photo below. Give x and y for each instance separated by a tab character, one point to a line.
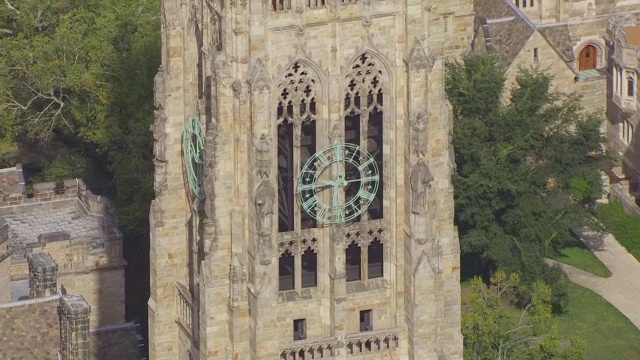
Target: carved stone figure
336	134
420	182
264	202
158	88
419	128
263	160
159	151
237	89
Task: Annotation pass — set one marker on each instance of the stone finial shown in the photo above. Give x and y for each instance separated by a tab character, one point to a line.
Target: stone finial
74	312
43	275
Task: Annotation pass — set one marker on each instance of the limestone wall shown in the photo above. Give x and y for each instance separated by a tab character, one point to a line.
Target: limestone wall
103	289
5	263
5	276
233	85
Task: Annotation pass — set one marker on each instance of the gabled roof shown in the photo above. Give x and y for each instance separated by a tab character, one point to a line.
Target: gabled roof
506	30
559	37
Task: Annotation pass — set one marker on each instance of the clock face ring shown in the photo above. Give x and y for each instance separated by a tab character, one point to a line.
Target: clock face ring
338	183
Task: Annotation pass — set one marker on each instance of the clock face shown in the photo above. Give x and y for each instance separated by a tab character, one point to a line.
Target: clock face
338	183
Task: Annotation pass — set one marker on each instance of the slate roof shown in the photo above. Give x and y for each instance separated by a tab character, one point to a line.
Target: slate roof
560	38
27	222
114	342
30	329
507	30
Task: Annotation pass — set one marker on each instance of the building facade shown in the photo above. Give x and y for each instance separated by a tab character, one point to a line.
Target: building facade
623	105
252	260
61	274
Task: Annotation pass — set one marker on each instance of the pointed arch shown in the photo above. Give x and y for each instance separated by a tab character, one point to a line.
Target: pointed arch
298	93
366	92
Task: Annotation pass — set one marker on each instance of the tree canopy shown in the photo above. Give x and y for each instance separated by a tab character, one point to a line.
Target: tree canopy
493	328
76	95
527	169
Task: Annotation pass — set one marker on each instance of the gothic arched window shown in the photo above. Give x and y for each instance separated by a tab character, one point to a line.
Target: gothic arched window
296	117
363	122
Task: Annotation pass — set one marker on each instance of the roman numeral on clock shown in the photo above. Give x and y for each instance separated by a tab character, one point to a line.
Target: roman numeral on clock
366	195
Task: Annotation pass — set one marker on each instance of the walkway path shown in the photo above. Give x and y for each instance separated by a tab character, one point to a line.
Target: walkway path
622	289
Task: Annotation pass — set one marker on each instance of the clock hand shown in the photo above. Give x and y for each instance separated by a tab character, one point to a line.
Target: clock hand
361	179
326	183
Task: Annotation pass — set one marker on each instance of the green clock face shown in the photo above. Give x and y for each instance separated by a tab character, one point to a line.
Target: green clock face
338	183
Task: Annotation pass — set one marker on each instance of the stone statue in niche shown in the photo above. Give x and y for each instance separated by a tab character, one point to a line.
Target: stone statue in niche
237	89
238	277
336	134
419	128
159	151
420	182
263	160
264	203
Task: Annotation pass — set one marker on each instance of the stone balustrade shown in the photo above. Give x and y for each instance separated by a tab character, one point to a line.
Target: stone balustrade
184	309
309	349
370	342
385	340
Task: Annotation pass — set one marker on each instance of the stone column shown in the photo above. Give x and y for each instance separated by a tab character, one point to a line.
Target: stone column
74	327
43	275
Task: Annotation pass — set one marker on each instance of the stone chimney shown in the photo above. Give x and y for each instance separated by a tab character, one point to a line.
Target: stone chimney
74	327
43	275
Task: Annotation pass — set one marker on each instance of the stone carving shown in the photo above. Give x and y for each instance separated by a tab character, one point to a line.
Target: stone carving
299	45
420	182
418	59
259	78
419	137
238	277
336	134
264	202
221	64
263	158
158	88
159	151
237	89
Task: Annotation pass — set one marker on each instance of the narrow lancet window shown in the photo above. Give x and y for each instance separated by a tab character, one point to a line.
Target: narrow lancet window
296	117
363	123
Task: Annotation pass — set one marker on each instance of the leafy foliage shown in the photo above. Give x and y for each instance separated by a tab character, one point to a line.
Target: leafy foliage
76	80
527	169
491	331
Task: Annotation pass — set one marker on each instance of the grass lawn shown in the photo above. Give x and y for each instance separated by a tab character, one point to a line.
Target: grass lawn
582	258
625	227
606	332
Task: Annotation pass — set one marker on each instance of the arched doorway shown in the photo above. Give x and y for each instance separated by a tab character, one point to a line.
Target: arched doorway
588	58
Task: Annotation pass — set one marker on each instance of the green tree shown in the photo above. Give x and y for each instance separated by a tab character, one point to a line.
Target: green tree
76	95
527	169
494	328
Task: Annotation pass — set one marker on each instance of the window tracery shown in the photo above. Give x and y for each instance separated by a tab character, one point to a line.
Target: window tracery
296	118
363	115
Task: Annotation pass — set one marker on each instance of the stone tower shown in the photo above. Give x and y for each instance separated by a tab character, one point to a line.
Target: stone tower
247	92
